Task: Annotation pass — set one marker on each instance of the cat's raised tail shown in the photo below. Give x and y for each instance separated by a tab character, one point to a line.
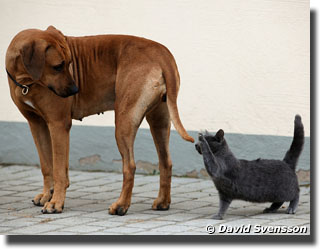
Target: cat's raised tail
295	150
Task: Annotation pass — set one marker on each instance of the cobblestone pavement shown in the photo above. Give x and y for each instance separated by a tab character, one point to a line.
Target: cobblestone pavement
194	201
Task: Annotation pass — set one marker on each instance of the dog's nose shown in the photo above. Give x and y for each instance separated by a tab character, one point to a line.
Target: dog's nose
73	90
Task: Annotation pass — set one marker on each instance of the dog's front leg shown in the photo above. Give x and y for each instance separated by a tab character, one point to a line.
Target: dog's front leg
59	132
41	136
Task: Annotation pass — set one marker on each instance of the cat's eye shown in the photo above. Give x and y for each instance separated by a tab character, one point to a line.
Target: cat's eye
59	67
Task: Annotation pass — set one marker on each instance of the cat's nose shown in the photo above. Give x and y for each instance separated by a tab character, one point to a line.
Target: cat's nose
198	148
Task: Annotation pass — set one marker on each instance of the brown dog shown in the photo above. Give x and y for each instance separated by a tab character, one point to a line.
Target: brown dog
134	76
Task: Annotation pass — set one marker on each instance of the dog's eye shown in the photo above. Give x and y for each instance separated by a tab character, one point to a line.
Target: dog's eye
59	67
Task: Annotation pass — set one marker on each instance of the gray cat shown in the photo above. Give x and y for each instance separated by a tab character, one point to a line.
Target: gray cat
256	181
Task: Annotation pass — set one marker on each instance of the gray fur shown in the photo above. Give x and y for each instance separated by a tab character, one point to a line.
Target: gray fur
255	181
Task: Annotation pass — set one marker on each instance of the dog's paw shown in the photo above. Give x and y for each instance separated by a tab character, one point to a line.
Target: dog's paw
52	207
159	204
41	199
217	217
117	209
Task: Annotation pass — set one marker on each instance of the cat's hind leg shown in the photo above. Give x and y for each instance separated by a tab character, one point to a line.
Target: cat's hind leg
223	207
293	205
273	208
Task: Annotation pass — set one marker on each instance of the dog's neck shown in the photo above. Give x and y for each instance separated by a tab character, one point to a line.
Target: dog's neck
89	75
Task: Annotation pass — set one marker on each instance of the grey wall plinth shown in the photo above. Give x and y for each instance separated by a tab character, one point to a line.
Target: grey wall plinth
94	148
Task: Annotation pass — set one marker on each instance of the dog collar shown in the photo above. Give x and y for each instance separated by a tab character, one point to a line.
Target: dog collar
25	88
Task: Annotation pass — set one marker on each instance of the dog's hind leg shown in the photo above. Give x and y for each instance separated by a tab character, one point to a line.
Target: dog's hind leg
273	208
138	92
41	136
127	119
159	121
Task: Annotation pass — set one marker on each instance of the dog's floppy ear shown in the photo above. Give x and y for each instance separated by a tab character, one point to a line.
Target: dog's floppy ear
33	58
220	134
53	29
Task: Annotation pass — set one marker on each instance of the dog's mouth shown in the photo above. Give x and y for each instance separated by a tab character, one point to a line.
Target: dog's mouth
68	92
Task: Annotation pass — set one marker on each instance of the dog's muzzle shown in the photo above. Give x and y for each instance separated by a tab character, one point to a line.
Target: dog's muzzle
72	90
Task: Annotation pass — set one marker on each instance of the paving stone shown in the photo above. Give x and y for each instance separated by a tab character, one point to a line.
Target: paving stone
58	232
102	215
75	203
76	194
35	229
150	224
191	232
65	214
94	207
122	230
4	230
138	207
176	199
132	218
201	223
272	216
164	213
21	188
246	221
9	199
148	194
82	229
15	206
179	180
194	201
19	182
172	228
72	221
244	211
20	222
180	217
106	224
100	196
141	200
190	205
289	222
193	195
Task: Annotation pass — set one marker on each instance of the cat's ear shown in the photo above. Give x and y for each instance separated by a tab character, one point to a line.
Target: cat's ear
220	134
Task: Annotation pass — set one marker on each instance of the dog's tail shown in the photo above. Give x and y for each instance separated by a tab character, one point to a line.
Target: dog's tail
172	80
295	150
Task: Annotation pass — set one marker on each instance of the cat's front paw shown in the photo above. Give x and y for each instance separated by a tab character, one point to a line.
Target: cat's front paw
200	136
217	217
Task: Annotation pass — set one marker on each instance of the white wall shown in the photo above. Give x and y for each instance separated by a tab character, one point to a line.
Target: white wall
244	64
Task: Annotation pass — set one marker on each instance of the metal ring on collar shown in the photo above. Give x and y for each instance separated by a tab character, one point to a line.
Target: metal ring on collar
25	89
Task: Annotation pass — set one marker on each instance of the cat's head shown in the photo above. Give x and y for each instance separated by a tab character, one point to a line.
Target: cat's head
216	142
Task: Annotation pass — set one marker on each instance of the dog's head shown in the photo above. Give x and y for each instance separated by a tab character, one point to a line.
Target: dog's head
215	141
42	57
